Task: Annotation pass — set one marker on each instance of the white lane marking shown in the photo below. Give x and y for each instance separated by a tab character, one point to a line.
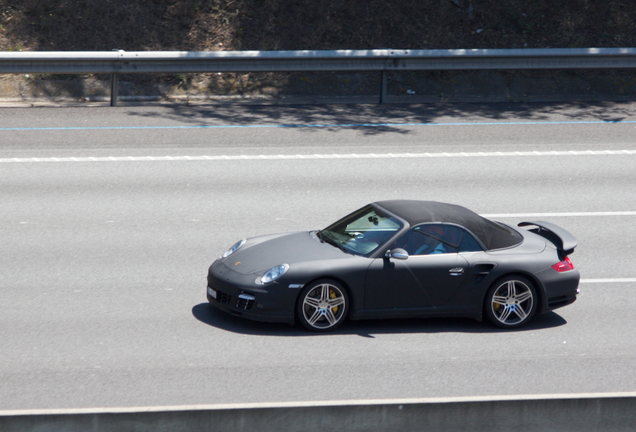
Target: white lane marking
321	156
548	215
609	280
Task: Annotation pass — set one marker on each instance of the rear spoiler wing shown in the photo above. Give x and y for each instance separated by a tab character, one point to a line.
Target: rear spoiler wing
562	239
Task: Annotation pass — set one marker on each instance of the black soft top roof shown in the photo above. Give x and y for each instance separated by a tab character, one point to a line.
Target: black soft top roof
491	234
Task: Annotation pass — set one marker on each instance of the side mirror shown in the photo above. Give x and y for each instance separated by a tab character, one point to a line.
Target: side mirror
397	253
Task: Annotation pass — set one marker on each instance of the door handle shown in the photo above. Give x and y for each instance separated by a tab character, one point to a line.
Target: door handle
457	271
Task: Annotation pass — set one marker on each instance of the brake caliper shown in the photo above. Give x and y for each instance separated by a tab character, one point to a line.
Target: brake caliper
332	294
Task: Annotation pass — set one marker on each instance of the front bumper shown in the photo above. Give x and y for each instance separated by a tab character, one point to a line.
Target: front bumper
239	295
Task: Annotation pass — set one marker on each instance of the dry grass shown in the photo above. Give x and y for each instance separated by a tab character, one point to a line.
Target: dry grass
69	25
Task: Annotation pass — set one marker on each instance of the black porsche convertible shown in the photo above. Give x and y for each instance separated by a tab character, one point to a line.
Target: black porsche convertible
399	259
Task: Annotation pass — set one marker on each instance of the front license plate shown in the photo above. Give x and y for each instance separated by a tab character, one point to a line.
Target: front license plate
212	293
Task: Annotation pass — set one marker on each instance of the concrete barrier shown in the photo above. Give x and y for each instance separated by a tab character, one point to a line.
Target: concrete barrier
580	413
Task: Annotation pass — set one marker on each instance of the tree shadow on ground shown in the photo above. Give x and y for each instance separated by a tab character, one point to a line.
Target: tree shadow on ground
206	314
374	119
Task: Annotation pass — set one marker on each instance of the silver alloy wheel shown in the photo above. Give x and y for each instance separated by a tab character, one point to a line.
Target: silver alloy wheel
324	306
512	302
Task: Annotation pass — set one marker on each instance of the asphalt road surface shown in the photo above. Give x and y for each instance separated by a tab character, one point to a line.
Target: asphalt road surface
109	218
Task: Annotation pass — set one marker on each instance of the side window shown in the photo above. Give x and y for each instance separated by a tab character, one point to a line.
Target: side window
431	239
469	244
447	237
414	242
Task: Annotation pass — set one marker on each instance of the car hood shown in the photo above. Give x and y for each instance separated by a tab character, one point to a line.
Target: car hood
260	254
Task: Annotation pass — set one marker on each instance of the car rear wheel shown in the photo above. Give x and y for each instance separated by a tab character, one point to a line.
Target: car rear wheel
511	302
323	305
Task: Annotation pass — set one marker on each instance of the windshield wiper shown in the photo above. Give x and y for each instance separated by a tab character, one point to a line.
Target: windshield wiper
332	242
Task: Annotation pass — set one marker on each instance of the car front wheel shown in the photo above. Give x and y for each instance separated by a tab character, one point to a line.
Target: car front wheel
511	302
323	305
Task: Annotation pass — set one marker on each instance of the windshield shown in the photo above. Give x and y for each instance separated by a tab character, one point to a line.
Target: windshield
362	232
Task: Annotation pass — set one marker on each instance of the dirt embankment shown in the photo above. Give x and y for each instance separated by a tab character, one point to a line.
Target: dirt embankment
200	25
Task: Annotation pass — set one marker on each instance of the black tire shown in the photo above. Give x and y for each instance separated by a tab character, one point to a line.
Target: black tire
511	302
322	305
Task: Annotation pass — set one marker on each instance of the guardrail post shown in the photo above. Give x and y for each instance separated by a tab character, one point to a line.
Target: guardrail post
114	88
383	85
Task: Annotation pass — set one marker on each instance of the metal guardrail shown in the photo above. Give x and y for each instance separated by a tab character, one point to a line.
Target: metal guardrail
382	60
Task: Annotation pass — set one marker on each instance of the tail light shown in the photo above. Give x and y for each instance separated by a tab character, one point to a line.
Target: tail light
563	266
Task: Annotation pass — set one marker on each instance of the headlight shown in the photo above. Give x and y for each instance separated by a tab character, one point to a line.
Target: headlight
273	274
233	249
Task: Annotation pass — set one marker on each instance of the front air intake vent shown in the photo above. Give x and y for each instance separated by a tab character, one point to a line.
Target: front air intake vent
222	297
245	301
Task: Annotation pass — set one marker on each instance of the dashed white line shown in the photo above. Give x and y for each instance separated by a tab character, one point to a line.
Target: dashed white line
608	280
550	215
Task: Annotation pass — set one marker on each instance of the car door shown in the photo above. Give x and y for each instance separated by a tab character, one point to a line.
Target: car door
430	276
417	283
